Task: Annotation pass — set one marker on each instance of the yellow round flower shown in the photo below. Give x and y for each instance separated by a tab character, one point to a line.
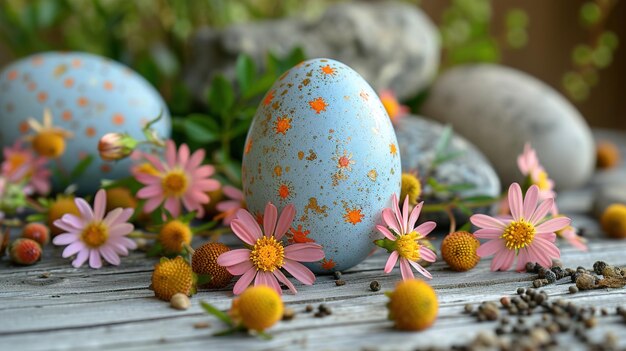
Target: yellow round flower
204	261
458	249
173	235
607	155
257	308
412	187
49	144
413	305
57	208
171	277
120	197
613	221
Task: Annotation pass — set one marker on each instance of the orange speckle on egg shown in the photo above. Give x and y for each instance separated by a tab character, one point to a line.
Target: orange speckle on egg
42	96
105	168
268	98
68	83
283	191
364	95
328	70
318	105
118	119
24	127
32	86
300	155
67	115
353	216
282	125
278	171
12	75
248	147
76	63
328	264
90	132
82	101
37	61
393	149
108	85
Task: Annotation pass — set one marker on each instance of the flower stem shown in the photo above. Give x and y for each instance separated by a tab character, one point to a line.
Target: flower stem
142	235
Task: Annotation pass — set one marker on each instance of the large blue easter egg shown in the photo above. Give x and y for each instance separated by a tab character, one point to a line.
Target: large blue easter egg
322	140
89	96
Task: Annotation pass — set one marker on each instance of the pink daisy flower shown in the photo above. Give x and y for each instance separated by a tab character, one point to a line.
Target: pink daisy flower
394	109
181	178
228	208
400	229
93	236
525	234
267	254
569	234
529	165
24	165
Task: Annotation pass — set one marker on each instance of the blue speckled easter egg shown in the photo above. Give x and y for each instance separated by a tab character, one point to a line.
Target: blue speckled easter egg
89	96
321	139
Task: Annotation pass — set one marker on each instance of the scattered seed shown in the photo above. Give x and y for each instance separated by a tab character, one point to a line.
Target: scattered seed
337	275
590	323
44	275
469	308
374	285
180	301
530	267
585	282
201	325
289	314
521	291
340	282
573	289
599	266
308	309
505	301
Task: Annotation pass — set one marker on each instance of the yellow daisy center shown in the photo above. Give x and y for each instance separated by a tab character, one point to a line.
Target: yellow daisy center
267	254
175	183
49	144
542	180
95	234
408	247
518	234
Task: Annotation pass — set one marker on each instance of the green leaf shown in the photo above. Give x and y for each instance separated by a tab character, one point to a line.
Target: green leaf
245	70
464	209
264	335
36	217
479	199
155	250
444	141
221	96
460	186
201	128
210	309
81	167
205	226
386	244
203	279
447	157
466	227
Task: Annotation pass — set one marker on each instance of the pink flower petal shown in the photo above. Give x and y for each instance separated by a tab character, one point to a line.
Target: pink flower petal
150	191
173	206
299	271
73	248
244	281
398	214
488	233
516	201
64	239
553	225
405	269
233	257
100	204
281	278
541	211
386	232
421	269
530	202
243	232
112	216
284	222
487	222
267	278
170	153
549	248
425	228
415	213
405	213
183	155
536	255
304	252
73	221
152	204
94	259
121	229
269	219
250	223
427	254
390	220
240	268
85	210
503	260
196	159
63	225
391	261
232	192
109	255
490	247
81	258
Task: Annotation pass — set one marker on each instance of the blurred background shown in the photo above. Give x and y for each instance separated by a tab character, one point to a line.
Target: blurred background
573	45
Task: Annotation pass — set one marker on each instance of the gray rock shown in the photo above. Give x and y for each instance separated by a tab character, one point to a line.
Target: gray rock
417	138
499	109
391	44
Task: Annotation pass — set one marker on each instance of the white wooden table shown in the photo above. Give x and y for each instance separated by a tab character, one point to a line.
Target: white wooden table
113	309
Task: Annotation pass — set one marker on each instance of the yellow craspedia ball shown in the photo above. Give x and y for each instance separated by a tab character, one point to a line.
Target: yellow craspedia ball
204	261
59	207
120	197
257	308
412	187
49	144
413	305
613	221
171	277
173	235
607	155
458	249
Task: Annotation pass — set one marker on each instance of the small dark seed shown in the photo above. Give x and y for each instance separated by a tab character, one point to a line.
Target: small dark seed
288	314
550	276
604	312
340	282
469	308
539	298
337	275
500	331
308	309
575	276
599	266
505	301
374	285
530	267
590	323
520	291
537	283
319	315
531	292
504	321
